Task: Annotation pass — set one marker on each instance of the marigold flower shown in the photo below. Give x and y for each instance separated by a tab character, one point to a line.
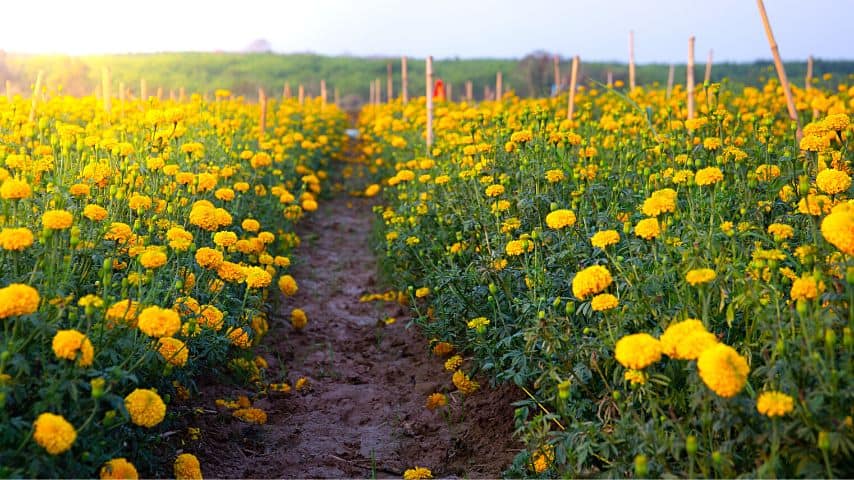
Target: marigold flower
225	239
452	364
187	467
723	370
698	276
832	181
464	383
517	247
543	458
239	337
179	239
838	228
18	299
54	433
257	277
288	285
605	238
174	351
648	228
118	469
57	219
494	190
145	407
591	280
251	415
635	377
686	340
159	322
16	239
123	311
806	288
119	232
417	473
637	351
436	400
708	176
554	176
774	404
15	189
661	201
442	348
152	258
604	301
560	218
67	344
781	231
815	205
298	318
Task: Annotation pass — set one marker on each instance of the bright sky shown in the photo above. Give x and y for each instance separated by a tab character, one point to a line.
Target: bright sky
595	30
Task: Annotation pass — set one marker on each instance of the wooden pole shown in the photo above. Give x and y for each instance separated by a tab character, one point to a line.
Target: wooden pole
781	72
379	89
389	86
301	94
808	79
689	78
337	97
670	72
708	76
610	79
106	84
182	94
35	96
371	100
631	59
171	94
159	93
429	93
469	91
404	77
449	92
498	87
556	67
573	79
262	119
323	93
286	91
143	90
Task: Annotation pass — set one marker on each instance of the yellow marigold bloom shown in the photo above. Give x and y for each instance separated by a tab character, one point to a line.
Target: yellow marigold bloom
417	473
16	239
152	258
560	218
711	143
210	317
806	288
723	370
648	228
187	467
590	281
478	322
635	377
781	231
522	136
298	318
494	190
422	292
257	277
79	190
225	239
139	202
251	415
766	173
67	344
54	433
442	348
661	201
815	205
464	383
57	219
145	407
708	176
453	363
159	322
700	275
18	299
554	176
239	337
543	458
832	181
119	232
838	228
251	225
686	340
118	469
517	247
637	351
224	194
814	143
209	258
774	404
604	301
93	212
372	190
288	285
605	238
14	189
231	272
123	311
174	351
179	239
436	400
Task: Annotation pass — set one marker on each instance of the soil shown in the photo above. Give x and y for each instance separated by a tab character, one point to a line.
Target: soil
364	413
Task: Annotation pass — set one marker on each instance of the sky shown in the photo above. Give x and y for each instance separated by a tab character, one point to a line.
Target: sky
594	30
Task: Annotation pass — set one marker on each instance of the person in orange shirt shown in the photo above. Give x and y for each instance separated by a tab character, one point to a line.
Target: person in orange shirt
439	90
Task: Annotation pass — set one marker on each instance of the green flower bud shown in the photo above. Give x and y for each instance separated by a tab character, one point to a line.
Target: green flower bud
823	441
563	389
641	466
691	445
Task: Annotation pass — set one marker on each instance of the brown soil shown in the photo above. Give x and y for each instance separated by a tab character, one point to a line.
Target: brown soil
364	413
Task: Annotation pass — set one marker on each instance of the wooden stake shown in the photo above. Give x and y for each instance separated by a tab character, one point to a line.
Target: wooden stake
429	93
301	94
171	94
610	79
404	80
371	95
159	93
449	92
556	65
379	90
143	90
670	72
808	79
35	96
106	85
182	94
573	79
323	93
689	78
498	87
286	91
708	76
781	72
389	86
337	97
469	91
631	60
262	120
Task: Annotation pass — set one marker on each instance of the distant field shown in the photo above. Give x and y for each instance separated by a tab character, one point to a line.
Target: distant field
244	73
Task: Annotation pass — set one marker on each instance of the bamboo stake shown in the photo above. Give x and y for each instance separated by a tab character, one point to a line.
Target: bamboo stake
670	72
35	95
610	79
573	80
429	93
171	94
449	92
689	78
182	94
379	90
781	71
469	91
389	85
262	120
143	90
8	91
631	60
106	85
301	94
286	91
708	76
556	67
323	93
371	94
337	97
159	93
404	77
808	79
498	87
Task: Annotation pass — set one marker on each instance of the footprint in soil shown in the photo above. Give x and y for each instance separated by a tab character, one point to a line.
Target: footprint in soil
365	413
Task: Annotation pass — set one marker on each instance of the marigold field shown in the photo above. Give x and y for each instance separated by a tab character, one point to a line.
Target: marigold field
674	296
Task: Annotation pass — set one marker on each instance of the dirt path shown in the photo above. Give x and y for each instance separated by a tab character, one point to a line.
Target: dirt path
364	413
